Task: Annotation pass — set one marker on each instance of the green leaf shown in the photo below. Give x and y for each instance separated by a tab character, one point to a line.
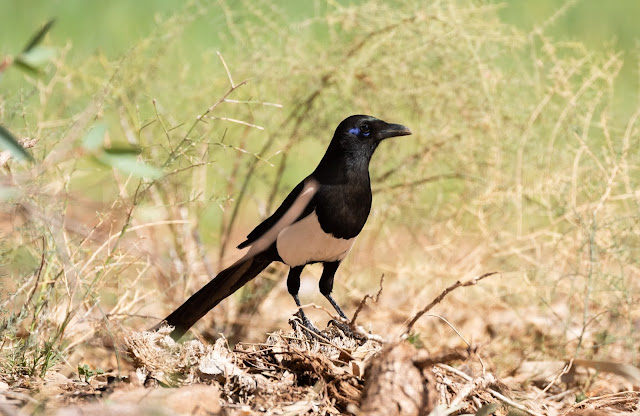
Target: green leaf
35	58
38	36
487	409
123	151
516	412
10	143
128	163
26	67
95	137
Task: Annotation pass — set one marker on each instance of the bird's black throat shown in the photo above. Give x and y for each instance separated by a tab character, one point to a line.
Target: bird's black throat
344	164
343	202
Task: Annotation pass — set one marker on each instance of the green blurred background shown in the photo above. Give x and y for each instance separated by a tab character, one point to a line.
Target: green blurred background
115	26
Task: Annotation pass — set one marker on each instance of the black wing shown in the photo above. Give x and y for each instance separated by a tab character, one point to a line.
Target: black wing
261	229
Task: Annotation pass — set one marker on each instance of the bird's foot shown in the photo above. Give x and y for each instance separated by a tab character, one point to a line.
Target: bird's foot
346	329
303	323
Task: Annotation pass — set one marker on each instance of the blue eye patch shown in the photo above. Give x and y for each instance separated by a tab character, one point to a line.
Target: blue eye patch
356	131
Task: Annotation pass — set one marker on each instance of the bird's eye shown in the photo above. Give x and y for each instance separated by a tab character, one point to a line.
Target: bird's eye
365	130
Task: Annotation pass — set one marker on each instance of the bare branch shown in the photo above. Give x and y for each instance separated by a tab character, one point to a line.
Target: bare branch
442	295
233	120
363	302
226	68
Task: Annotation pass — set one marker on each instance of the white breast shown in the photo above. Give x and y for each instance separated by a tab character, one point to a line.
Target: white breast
305	242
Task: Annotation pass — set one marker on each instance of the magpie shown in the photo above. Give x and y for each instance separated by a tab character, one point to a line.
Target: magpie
318	222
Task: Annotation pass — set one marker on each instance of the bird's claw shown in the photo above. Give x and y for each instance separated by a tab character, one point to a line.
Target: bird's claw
306	325
347	330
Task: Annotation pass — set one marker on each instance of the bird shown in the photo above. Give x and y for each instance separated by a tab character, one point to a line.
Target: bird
317	222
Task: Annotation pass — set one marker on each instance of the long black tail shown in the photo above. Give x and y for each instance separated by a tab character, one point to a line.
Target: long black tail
220	287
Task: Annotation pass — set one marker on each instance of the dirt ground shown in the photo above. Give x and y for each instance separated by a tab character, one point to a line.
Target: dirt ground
345	370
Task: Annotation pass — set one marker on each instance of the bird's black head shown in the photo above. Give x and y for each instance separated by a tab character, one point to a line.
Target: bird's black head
353	144
361	134
366	130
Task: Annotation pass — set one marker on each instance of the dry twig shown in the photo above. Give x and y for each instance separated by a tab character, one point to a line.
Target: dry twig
364	301
441	296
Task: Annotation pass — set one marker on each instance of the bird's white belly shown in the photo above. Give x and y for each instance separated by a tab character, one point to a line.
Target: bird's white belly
305	242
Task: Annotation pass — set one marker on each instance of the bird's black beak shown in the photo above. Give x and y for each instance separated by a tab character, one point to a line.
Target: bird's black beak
393	130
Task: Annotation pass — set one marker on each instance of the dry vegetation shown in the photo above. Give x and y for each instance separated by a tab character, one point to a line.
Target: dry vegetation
518	164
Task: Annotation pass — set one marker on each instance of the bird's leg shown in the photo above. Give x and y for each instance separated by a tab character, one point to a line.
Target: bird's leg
337	308
293	285
326	286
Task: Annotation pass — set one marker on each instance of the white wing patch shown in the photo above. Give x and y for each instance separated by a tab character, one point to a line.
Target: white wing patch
305	242
292	214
